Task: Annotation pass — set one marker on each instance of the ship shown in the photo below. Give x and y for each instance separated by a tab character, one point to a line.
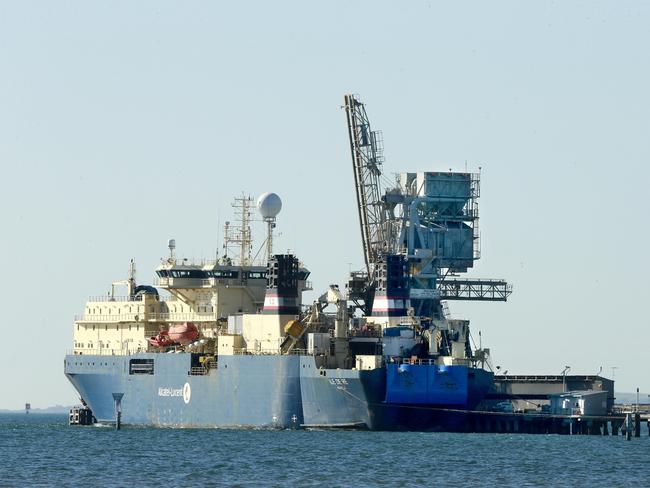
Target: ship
229	343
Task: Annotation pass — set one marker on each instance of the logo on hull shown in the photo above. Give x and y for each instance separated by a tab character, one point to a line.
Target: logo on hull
187	393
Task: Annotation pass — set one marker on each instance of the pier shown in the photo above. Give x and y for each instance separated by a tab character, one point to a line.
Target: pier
542	423
526	391
557	404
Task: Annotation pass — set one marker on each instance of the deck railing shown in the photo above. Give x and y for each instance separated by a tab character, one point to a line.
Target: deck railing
155	317
103	352
271	352
212	364
426	362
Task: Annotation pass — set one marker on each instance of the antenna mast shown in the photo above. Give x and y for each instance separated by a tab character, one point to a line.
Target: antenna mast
269	206
238	237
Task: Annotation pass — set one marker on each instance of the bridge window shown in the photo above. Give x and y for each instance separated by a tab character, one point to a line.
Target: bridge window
223	273
186	273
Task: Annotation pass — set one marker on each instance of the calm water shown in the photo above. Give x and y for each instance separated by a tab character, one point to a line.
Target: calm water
41	450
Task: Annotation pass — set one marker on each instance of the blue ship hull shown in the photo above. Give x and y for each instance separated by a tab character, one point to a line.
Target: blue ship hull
276	392
397	397
244	391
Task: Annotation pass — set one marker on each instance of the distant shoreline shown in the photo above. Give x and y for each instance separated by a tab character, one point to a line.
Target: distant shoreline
54	409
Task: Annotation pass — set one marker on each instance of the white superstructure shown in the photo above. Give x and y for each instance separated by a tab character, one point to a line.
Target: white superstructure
203	293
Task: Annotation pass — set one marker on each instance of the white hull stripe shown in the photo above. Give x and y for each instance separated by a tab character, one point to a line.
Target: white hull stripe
383	304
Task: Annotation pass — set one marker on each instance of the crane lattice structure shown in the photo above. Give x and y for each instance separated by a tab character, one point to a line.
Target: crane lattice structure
366	147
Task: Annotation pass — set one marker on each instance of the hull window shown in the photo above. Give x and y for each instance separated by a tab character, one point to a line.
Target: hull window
141	366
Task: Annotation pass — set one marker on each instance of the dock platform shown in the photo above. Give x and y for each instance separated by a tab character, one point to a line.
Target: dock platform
544	423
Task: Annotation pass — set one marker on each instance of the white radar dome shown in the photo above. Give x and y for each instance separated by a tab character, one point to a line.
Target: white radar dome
269	205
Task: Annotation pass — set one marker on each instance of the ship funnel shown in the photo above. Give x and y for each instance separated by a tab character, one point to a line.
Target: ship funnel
282	296
392	289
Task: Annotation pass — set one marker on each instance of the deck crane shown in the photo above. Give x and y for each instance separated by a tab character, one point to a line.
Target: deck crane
366	148
429	218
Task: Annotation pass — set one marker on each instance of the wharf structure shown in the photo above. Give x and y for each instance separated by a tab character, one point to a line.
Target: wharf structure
548	423
626	423
556	404
534	392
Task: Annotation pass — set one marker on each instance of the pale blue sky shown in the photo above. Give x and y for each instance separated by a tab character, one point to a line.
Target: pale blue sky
125	123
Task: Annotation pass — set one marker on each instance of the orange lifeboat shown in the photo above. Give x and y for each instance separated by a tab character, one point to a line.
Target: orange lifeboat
183	333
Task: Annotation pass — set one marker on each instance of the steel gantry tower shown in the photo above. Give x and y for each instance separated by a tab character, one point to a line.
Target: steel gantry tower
430	218
367	157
